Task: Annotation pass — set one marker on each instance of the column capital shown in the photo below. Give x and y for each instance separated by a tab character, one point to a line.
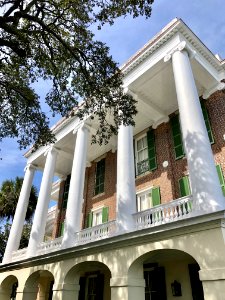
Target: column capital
180	47
30	167
82	124
51	149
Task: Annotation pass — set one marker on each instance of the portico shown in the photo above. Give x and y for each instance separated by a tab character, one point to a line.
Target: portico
130	202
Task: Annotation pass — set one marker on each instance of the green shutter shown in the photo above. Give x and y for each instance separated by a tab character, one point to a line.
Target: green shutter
105	214
221	178
89	220
184	186
207	122
151	150
61	228
177	137
156	196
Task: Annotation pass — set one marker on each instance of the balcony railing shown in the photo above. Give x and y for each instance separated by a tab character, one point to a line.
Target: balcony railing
91	234
142	166
98	232
50	246
158	215
164	213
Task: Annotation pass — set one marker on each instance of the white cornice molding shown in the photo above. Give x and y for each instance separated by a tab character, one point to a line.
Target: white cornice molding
218	87
154	44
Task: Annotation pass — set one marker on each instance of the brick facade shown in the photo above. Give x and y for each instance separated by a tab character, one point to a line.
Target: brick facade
165	177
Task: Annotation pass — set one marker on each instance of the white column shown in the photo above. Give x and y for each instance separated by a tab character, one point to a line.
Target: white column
75	197
20	214
126	192
41	212
206	190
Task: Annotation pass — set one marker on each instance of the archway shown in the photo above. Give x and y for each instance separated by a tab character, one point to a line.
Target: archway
89	280
8	288
39	286
168	274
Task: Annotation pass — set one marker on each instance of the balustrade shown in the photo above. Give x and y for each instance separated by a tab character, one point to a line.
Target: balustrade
164	213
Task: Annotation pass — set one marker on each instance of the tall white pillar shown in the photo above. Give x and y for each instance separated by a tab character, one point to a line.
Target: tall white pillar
20	214
206	190
75	197
41	212
126	192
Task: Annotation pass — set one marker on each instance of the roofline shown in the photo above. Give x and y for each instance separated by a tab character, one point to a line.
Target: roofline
176	25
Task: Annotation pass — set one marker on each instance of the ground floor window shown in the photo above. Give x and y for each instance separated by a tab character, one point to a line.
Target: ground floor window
91	286
155	283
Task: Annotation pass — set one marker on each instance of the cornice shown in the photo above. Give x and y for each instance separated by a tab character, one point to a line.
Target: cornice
176	26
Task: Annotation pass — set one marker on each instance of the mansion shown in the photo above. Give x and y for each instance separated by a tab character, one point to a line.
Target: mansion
141	218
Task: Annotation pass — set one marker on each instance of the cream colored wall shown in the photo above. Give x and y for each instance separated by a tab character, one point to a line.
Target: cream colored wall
178	271
206	247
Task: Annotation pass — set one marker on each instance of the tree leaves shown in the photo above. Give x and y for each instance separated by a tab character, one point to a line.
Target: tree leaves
9	196
52	40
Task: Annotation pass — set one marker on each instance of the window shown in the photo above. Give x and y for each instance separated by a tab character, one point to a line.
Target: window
91	286
100	177
155	282
207	122
148	198
146	153
66	192
177	137
97	217
184	186
221	178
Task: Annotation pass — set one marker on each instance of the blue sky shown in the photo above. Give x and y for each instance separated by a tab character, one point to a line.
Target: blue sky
125	37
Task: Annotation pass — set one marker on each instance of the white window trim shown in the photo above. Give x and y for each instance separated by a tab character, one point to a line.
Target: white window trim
141	192
94	212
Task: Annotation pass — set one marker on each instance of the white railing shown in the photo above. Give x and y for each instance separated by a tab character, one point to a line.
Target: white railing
49	246
164	213
95	233
19	254
160	214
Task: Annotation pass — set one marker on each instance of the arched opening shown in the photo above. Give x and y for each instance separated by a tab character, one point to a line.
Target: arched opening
39	286
8	288
168	274
92	280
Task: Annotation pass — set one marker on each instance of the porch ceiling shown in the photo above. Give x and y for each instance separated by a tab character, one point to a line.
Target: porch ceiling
156	94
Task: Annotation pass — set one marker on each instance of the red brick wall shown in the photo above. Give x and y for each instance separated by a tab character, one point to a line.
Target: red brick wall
108	198
167	178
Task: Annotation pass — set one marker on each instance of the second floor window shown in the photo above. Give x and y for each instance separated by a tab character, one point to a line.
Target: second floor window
100	177
146	153
97	217
148	198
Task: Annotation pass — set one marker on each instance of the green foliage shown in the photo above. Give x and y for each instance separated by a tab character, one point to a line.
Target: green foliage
4	235
9	195
52	40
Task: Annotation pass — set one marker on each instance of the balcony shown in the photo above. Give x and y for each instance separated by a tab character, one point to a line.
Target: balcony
161	214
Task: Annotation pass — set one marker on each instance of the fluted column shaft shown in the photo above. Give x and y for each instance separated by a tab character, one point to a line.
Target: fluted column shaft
75	197
126	192
206	190
41	212
20	214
